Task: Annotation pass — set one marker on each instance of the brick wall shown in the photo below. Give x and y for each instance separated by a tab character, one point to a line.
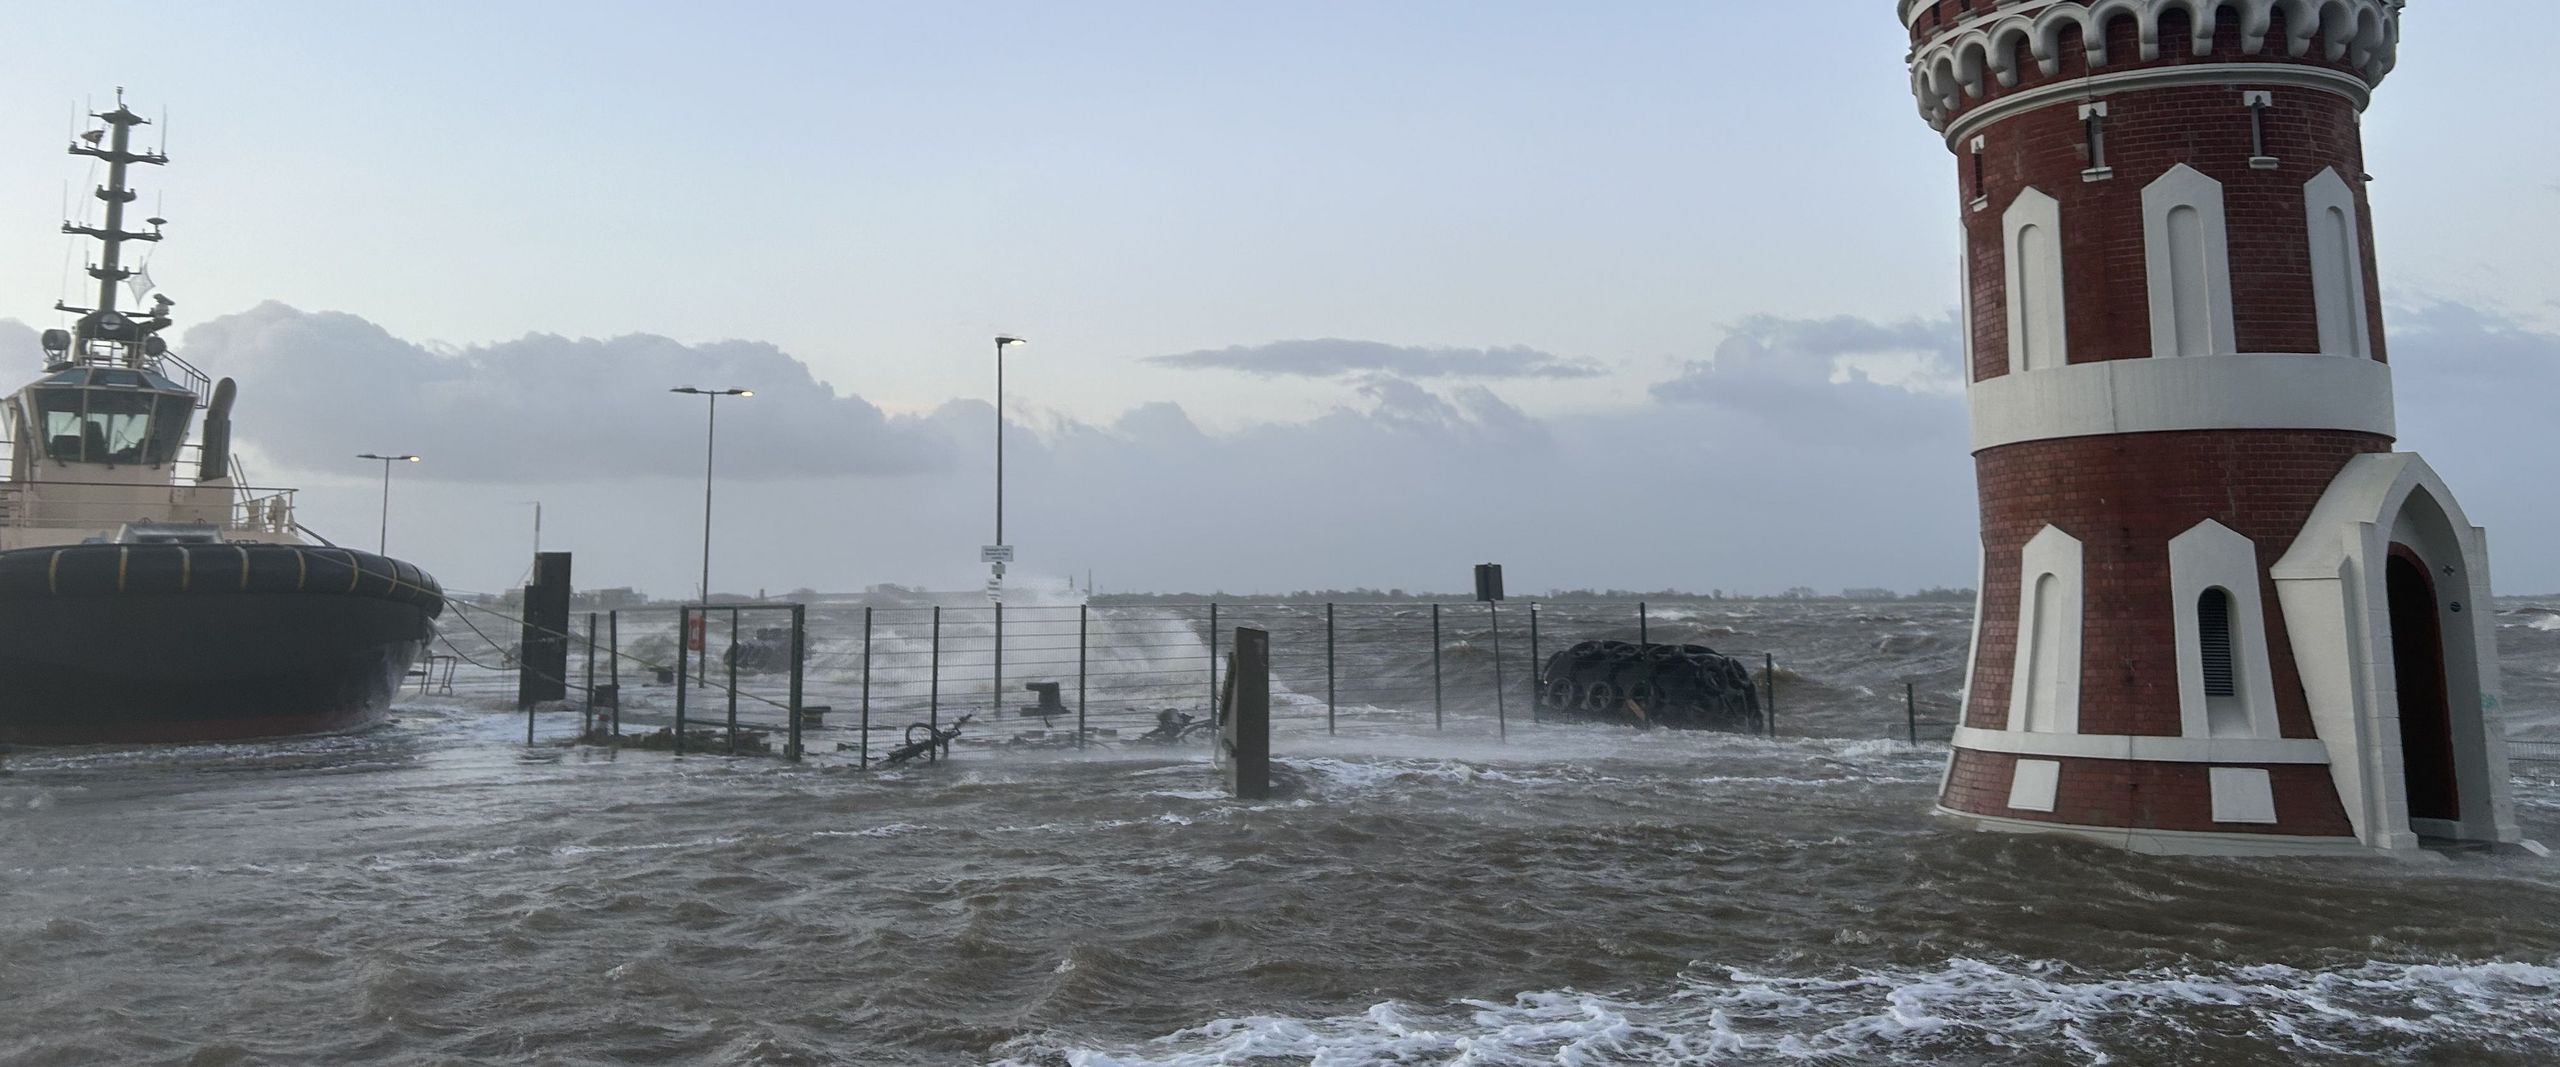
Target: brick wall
2149	796
2106	286
2125	497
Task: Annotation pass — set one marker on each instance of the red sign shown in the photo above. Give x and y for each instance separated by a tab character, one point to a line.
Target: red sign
694	628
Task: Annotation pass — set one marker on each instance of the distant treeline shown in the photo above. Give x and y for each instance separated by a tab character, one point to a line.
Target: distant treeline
1365	595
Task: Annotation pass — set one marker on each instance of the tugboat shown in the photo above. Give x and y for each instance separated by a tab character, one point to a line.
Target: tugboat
146	593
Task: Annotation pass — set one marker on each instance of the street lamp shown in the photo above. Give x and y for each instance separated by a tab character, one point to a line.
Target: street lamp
1001	342
710	427
382	546
997	554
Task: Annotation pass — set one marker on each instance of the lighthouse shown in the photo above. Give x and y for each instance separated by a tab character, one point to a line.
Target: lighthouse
2220	611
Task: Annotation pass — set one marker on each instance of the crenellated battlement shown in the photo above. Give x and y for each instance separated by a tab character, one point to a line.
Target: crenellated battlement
1967	53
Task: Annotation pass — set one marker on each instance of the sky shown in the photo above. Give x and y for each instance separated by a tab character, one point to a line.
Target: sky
1637	295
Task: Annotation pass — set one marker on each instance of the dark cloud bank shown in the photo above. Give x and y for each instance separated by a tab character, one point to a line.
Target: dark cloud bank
1782	460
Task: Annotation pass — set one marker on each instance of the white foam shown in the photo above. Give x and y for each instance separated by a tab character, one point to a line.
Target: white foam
1968	1009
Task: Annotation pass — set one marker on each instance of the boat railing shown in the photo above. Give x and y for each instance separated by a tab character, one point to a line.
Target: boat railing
254	509
183	467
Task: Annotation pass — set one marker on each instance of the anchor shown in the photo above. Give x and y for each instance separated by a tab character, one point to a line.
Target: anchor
935	744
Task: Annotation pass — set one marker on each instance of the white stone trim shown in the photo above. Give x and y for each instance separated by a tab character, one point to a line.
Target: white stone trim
2214	556
2243	795
2031	254
2321	79
2058	554
2190	286
1967	60
2337	266
2143	748
2169	842
2333	587
2252	392
2033	785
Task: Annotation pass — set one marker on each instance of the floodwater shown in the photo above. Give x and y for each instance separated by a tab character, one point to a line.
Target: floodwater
436	892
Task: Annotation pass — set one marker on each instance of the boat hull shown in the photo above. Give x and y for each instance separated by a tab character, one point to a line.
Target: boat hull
264	641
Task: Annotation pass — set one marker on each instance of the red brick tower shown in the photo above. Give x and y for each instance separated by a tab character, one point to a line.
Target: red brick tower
2219	613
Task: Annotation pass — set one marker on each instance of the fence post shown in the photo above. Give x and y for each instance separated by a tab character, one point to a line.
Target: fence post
864	742
587	718
1084	630
995	699
613	665
933	689
730	656
1213	658
684	633
1911	712
1328	669
1644	625
1537	671
1501	700
1242	747
1435	667
1769	671
799	645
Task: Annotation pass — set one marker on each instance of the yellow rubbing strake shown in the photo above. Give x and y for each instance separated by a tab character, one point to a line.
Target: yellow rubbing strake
244	567
354	572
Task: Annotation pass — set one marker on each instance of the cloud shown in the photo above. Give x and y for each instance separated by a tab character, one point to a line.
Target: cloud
317	388
1335	357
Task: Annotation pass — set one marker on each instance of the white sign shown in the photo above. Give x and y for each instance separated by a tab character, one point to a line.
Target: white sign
995	590
995	554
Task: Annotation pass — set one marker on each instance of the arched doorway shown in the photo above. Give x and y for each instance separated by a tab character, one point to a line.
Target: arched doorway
2426	715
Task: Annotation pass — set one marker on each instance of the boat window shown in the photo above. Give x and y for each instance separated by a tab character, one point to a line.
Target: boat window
110	426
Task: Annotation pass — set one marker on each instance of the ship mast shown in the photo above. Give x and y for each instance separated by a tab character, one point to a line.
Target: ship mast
105	327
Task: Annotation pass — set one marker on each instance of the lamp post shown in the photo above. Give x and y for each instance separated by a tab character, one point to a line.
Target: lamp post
998	554
382	545
710	430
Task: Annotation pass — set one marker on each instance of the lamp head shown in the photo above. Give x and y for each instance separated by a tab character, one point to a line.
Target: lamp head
1002	340
685	389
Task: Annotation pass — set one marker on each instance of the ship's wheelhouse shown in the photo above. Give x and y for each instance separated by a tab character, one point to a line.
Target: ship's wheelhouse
116	416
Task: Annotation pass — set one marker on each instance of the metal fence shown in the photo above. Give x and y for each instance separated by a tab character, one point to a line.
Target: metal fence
1066	675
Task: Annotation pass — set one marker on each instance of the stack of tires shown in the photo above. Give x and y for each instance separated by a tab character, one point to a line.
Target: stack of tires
1685	687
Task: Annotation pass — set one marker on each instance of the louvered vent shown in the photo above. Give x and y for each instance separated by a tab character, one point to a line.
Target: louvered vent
2213	632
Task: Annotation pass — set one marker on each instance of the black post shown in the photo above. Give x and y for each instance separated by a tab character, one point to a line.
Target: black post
613	662
1911	712
1328	669
865	742
933	689
1084	628
731	658
1244	726
1769	670
799	642
1644	626
1537	671
1501	701
996	699
1435	667
587	718
684	633
1213	657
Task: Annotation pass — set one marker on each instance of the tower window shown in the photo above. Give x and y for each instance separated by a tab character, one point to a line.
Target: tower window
2337	266
2213	638
1981	198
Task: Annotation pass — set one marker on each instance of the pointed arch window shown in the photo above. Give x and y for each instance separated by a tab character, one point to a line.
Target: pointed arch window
2337	266
2187	259
2224	680
2032	249
2044	685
